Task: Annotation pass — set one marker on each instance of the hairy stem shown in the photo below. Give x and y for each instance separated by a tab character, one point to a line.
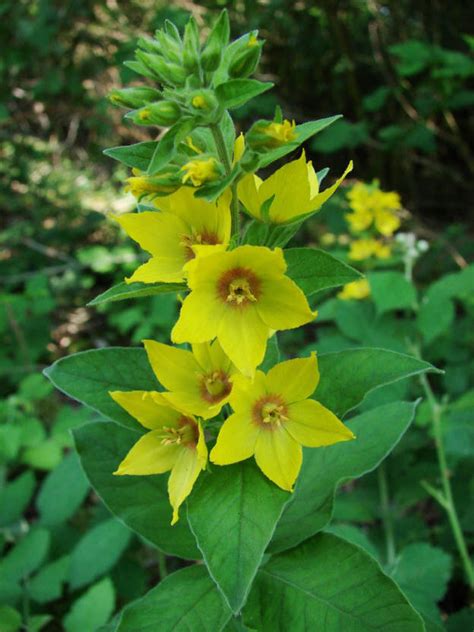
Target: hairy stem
226	161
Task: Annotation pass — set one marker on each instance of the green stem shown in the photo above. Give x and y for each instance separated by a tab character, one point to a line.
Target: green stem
162	565
448	503
226	161
386	514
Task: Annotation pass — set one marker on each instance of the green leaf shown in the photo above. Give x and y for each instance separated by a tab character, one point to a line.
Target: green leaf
314	270
233	513
88	377
342	135
47	584
303	132
329	585
45	456
136	156
186	600
97	552
422	571
348	376
166	146
26	556
310	508
10	619
14	498
236	92
272	354
213	190
391	291
124	291
62	492
38	621
141	502
92	609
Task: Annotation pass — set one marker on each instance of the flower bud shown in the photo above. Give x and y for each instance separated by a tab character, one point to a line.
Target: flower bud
201	170
216	42
191	45
167	72
270	134
245	60
141	186
203	100
134	97
164	113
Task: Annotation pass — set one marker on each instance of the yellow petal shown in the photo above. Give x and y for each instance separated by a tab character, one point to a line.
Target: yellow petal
261	260
149	456
199	318
147	407
236	440
279	457
295	379
159	270
247	191
192	403
291	187
322	197
185	471
386	222
243	336
211	357
283	305
158	233
245	391
176	369
313	425
239	147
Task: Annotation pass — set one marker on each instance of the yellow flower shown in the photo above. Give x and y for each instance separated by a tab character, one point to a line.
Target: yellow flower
240	296
382	251
200	171
199	382
187	227
273	418
371	205
198	101
294	188
357	290
362	249
175	442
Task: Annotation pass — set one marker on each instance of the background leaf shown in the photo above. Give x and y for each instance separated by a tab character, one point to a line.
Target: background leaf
124	291
92	609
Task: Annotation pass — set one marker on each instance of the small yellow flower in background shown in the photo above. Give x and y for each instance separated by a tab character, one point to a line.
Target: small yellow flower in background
356	290
185	228
200	171
240	297
175	442
273	418
362	249
371	205
199	382
295	189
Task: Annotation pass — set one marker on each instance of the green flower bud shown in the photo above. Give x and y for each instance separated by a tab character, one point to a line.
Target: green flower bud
149	45
250	161
264	135
170	49
167	72
164	113
216	42
245	60
203	100
191	45
134	97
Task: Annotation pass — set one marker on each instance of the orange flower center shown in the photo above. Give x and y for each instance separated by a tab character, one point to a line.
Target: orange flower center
206	238
215	386
239	287
186	433
270	412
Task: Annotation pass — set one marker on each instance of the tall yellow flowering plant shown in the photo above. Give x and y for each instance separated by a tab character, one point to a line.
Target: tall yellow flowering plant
254	444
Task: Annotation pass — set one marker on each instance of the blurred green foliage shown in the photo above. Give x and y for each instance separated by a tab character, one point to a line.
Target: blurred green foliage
401	73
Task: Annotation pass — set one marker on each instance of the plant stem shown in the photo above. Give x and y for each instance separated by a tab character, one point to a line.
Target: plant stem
448	503
386	514
226	161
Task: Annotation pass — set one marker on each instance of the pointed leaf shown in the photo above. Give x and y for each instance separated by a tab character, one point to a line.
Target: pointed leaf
329	585
123	291
136	156
236	92
88	377
233	513
186	600
140	501
310	508
314	270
